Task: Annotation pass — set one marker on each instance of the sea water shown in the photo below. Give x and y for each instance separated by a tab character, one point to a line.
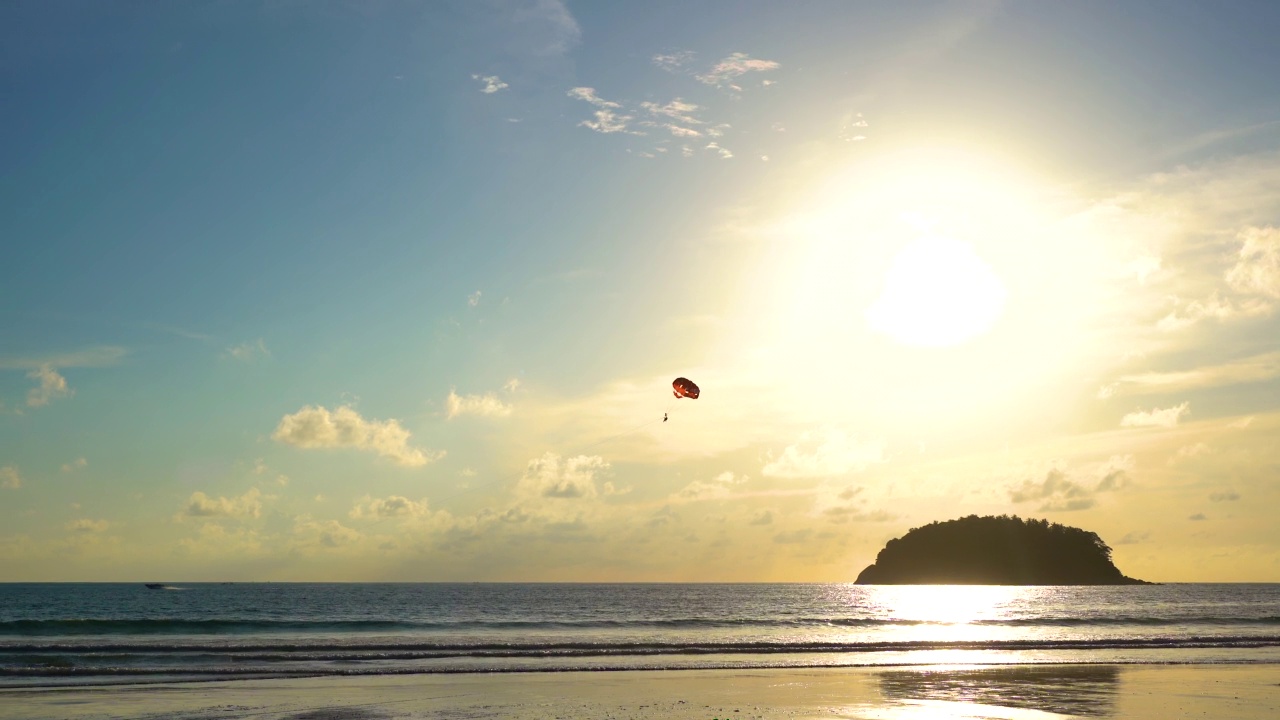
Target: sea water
61	633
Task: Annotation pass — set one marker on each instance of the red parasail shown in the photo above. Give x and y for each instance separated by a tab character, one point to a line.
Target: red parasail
684	388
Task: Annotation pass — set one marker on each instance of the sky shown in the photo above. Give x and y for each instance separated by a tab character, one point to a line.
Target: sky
396	291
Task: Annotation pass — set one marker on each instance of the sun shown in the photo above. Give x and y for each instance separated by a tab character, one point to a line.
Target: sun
938	292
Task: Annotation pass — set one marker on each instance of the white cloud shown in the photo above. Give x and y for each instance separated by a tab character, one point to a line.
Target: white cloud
734	66
512	385
606	119
318	427
552	476
673	62
677	110
1187	452
74	465
724	152
827	453
1257	269
10	479
393	506
473	299
1213	307
247	505
487	405
86	525
249	351
492	83
1156	417
52	386
589	95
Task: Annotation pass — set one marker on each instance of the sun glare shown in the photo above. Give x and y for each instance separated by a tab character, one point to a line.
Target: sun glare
938	292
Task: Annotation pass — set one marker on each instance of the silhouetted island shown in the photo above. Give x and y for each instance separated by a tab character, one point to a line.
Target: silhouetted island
995	551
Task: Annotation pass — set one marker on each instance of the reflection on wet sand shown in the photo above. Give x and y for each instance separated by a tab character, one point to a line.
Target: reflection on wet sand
1078	690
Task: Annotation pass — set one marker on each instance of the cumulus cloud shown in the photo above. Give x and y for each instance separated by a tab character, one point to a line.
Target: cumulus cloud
1257	268
10	479
552	476
202	506
1156	417
86	525
318	427
1058	493
761	517
722	151
249	351
677	110
725	72
393	506
326	534
826	453
487	405
74	465
52	386
492	83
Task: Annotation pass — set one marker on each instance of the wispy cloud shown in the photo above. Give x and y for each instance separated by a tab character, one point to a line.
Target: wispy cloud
607	119
248	351
74	465
1247	370
723	152
318	427
1156	417
491	83
1257	268
826	453
717	488
51	386
673	62
487	405
728	70
10	478
87	525
98	356
473	300
551	22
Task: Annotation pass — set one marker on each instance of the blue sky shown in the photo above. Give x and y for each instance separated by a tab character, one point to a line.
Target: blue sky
395	290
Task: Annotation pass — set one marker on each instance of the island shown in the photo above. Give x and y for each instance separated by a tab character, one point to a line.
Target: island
993	550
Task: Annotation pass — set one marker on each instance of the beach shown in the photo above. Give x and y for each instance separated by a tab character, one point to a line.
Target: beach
1014	692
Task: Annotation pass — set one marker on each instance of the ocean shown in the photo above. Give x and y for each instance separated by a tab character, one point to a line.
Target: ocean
88	633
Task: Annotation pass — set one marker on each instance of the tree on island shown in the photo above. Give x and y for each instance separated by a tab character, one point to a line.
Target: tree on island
992	550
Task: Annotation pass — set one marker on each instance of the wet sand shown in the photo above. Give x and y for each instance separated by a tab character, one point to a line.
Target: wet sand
1014	692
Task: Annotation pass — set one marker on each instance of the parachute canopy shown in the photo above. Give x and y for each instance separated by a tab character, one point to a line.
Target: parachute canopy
684	387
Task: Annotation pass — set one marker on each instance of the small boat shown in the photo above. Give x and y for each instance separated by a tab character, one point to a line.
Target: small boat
155	586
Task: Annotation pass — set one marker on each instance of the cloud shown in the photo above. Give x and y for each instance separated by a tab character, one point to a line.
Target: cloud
552	23
1060	494
74	465
1247	370
1186	452
761	517
1133	538
606	119
1225	496
551	476
203	506
1257	268
793	537
318	427
723	152
1214	307
1156	417
10	479
52	386
99	356
1198	516
85	525
677	110
826	453
393	506
673	62
512	385
327	534
473	299
487	405
492	83
248	351
734	66
717	488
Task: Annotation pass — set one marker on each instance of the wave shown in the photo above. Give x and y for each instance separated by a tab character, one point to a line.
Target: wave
181	626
